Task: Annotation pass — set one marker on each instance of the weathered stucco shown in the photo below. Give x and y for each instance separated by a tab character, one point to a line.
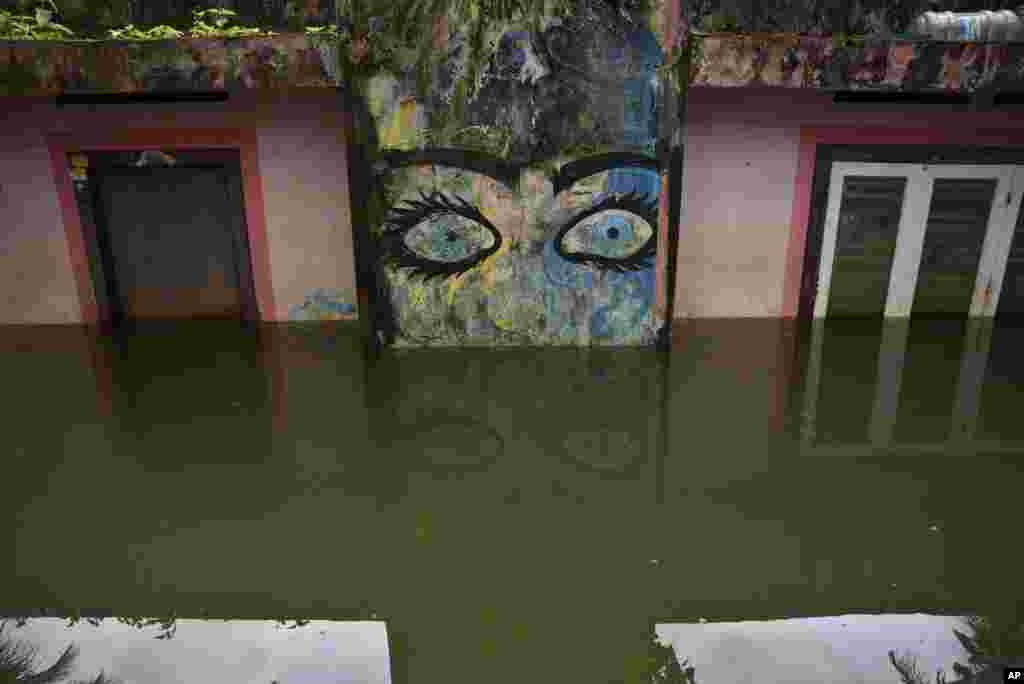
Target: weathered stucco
300	60
324	304
523	252
36	281
300	141
742	153
818	62
274	62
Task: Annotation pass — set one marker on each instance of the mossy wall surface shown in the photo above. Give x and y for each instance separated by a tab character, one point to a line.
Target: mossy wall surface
39	68
484	235
292	60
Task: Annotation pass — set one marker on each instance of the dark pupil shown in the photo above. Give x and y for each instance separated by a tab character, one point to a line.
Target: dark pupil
613	233
452	237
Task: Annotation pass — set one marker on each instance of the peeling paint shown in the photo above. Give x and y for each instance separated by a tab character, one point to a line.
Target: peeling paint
38	67
570	262
33	67
324	304
793	61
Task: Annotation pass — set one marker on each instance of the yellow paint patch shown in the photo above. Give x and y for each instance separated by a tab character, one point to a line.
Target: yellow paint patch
483	198
505	324
417	294
454	285
490	208
489	274
401	133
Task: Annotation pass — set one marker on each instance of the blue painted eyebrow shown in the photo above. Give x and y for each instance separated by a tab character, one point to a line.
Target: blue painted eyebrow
508	172
588	166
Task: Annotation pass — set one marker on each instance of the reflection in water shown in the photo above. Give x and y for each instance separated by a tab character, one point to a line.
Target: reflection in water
123	650
914	385
849	648
505	508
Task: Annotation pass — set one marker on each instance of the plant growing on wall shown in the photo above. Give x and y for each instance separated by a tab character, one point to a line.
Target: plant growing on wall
374	36
207	23
383	35
33	27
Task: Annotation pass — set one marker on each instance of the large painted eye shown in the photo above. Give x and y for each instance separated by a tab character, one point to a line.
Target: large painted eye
612	234
448	238
616	234
438	236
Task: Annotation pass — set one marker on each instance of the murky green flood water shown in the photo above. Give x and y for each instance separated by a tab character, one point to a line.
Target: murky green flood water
514	515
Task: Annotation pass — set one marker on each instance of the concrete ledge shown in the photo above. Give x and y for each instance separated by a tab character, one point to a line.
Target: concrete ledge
818	62
298	60
289	60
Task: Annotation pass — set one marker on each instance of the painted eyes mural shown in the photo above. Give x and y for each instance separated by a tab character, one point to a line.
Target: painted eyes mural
545	230
490	266
438	236
618	233
444	236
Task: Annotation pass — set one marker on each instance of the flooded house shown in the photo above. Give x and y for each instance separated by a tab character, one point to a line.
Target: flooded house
647	325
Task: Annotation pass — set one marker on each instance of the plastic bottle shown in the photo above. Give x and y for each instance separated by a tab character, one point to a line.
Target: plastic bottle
983	27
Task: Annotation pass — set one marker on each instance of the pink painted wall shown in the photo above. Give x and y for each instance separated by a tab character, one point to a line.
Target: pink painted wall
740	213
36	280
740	246
301	153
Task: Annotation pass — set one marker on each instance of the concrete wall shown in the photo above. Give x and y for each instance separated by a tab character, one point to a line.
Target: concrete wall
36	281
742	147
742	150
301	150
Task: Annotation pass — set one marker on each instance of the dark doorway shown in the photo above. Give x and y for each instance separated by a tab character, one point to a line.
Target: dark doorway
170	236
170	263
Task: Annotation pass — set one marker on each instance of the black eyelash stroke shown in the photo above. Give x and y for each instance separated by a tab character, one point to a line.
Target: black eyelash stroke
634	203
401	220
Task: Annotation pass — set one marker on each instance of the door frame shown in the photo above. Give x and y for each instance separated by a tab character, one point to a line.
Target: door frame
60	145
225	164
893	345
887	383
912	229
818	148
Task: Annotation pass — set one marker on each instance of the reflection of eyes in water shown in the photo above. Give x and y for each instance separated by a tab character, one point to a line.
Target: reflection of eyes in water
604	450
447	442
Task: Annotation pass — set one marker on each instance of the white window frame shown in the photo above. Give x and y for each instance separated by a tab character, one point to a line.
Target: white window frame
913	223
903	283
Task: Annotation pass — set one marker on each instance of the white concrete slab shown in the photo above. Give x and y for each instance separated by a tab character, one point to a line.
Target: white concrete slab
229	652
848	648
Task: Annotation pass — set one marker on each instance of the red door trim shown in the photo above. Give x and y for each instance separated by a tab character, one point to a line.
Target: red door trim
811	137
244	140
